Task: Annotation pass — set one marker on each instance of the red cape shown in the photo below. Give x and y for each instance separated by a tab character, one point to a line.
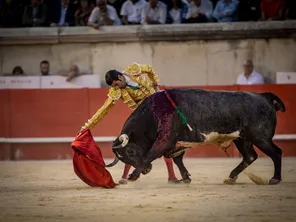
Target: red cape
88	162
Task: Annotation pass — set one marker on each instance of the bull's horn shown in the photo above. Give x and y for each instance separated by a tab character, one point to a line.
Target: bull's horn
115	161
124	141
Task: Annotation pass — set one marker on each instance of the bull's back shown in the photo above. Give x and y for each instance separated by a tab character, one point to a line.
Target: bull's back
220	111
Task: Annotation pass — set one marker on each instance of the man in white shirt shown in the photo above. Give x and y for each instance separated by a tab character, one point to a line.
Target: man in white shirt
155	12
103	14
131	11
249	77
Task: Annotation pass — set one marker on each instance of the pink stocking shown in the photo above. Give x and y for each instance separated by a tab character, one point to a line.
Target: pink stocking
170	167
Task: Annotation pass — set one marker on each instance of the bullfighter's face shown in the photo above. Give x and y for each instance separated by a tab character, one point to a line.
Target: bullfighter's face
120	83
128	152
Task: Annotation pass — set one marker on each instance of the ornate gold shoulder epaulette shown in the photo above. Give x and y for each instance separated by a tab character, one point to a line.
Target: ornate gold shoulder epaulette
133	69
114	93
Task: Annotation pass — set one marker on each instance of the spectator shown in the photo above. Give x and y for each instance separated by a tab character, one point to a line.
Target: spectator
178	11
249	76
199	11
117	4
72	73
155	12
131	11
226	10
272	9
290	9
63	14
35	14
18	71
10	14
83	12
103	14
249	10
44	68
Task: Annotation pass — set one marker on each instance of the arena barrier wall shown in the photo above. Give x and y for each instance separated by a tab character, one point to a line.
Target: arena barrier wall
41	124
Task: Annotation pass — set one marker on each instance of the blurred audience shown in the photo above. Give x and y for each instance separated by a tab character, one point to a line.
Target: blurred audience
18	71
83	12
272	9
35	14
44	68
178	11
62	14
249	10
226	10
131	11
10	14
103	14
95	13
249	76
199	11
290	10
155	12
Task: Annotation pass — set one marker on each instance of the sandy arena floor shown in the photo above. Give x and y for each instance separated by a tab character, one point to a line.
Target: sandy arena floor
50	191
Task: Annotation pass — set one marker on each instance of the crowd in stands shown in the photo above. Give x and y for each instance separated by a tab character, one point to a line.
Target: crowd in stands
71	73
249	76
95	13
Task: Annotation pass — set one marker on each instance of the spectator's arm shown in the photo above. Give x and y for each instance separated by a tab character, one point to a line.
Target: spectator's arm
144	13
124	13
230	9
93	18
216	12
113	17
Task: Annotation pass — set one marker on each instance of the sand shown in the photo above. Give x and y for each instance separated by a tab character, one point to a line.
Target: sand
50	191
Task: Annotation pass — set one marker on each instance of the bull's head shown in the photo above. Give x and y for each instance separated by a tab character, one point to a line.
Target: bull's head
126	151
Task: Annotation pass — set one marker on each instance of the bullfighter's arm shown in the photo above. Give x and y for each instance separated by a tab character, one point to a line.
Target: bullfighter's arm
99	115
114	95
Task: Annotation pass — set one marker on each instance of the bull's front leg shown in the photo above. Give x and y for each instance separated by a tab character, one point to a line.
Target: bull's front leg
158	148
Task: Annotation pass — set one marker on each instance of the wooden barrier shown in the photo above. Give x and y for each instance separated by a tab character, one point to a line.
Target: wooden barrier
62	112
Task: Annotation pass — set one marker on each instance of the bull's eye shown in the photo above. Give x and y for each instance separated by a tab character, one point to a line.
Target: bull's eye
130	152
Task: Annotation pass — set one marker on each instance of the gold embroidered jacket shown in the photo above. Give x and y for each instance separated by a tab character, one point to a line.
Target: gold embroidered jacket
147	80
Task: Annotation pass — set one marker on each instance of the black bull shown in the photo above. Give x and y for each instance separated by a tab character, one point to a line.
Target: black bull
216	117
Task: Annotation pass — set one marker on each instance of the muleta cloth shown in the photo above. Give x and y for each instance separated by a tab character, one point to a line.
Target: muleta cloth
88	162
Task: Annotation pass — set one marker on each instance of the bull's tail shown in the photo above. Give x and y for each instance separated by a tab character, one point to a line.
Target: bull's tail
278	105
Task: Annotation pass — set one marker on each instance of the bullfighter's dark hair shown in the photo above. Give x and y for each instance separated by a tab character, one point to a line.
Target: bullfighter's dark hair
111	75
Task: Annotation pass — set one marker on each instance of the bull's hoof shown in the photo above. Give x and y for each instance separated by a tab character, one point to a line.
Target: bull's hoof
186	181
230	180
174	181
274	181
123	181
146	171
132	178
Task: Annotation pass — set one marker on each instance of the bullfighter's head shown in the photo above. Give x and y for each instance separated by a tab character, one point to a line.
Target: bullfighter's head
126	151
115	79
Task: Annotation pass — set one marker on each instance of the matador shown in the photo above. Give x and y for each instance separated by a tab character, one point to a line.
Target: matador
132	86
